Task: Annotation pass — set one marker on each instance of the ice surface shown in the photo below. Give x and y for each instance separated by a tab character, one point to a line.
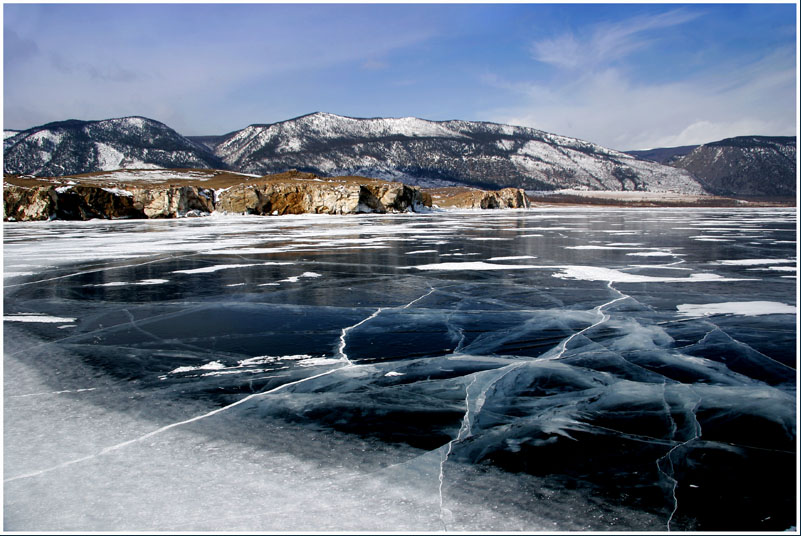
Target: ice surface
319	373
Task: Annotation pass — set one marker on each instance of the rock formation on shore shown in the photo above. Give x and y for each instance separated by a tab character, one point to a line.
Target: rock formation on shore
458	197
161	194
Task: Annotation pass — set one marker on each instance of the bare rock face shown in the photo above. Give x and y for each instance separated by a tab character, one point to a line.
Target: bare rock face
172	202
104	196
312	195
470	198
87	202
28	204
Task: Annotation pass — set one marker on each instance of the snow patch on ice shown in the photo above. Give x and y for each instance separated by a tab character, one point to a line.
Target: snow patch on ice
655	254
750	308
37	318
598	273
129	283
754	262
296	278
215	268
477	265
512	258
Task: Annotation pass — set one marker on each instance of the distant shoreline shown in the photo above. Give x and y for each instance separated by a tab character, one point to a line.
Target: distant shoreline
636	199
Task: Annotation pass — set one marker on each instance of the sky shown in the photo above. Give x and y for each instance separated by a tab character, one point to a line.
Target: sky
625	76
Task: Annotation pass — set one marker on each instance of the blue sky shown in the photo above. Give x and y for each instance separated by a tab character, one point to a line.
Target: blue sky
627	76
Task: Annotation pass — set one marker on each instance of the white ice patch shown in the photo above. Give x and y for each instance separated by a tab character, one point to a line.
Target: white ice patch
296	278
38	318
478	265
318	362
591	246
213	365
421	251
775	268
655	254
127	283
597	273
251	365
751	308
394	373
755	262
513	258
215	268
16	274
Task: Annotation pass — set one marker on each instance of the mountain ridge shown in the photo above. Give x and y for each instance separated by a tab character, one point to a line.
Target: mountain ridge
416	151
75	146
745	165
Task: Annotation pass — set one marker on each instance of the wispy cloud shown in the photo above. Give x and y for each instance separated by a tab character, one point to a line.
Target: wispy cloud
604	43
600	92
606	107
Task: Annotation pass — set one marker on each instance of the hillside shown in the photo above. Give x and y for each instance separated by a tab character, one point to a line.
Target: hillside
443	153
745	166
663	155
72	147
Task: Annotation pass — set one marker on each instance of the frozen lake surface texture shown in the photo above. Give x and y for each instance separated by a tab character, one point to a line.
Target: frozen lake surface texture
538	370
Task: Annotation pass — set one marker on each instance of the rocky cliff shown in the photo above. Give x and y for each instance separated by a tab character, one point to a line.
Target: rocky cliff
196	192
457	197
306	193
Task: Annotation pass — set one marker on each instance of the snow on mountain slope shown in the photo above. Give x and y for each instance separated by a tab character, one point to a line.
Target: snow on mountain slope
745	165
420	151
73	147
411	150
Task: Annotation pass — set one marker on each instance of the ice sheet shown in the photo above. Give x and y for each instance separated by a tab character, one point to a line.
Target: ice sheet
333	374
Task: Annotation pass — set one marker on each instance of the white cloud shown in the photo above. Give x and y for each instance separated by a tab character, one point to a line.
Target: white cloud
605	43
596	95
606	108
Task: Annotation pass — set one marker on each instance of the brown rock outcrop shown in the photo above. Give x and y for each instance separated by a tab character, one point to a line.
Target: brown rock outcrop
114	195
173	201
472	198
87	202
312	195
28	204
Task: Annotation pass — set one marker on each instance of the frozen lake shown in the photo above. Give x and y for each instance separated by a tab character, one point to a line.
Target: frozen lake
574	369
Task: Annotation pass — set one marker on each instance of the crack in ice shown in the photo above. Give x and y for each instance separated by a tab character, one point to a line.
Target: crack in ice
464	431
667	456
597	310
148	435
118	446
343	343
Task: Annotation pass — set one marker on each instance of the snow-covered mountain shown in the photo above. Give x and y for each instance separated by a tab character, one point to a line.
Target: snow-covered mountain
72	147
411	150
424	152
745	165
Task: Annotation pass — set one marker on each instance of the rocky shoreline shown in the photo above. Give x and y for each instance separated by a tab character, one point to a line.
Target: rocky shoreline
147	194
